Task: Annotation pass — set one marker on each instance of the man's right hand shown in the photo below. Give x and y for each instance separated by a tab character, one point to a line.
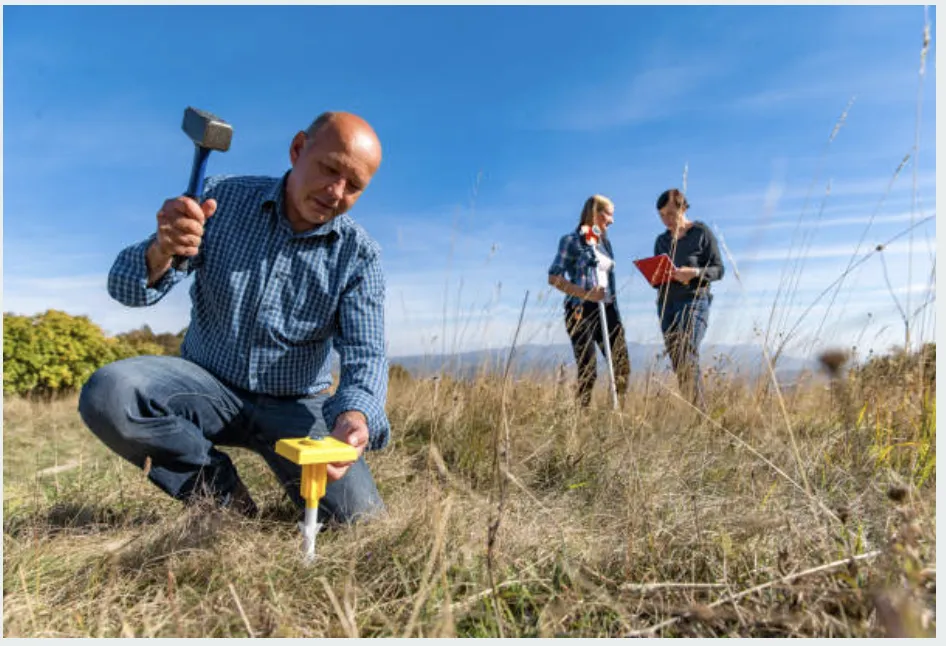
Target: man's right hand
180	231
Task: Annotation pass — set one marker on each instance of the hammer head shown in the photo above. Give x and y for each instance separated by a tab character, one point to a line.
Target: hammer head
207	130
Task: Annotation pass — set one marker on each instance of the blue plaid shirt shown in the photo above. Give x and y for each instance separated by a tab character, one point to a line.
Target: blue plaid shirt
576	261
268	304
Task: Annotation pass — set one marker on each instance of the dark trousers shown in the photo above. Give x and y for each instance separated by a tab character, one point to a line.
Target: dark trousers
177	414
683	323
583	324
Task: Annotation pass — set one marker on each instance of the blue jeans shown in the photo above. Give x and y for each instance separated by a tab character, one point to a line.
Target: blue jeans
177	413
683	324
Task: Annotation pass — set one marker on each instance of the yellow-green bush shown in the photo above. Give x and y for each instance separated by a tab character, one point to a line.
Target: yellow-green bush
54	353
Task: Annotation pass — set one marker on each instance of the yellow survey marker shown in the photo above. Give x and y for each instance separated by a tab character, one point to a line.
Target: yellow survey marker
312	455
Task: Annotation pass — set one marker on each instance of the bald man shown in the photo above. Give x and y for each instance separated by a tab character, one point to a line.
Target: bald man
282	275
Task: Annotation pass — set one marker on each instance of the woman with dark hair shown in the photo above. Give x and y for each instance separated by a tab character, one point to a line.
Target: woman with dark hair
683	303
583	270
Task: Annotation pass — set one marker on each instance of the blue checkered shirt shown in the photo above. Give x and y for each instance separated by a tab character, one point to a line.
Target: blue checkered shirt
269	304
576	261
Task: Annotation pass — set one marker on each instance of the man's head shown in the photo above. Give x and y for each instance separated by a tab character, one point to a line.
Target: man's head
332	163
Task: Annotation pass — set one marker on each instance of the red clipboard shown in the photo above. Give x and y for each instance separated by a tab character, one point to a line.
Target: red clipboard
656	269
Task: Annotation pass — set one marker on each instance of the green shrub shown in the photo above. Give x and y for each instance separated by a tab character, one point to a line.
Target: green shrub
55	353
145	341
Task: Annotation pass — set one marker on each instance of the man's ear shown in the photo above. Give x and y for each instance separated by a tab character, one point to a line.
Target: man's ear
295	148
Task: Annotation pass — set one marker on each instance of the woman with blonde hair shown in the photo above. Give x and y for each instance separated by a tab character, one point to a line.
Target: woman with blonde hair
583	269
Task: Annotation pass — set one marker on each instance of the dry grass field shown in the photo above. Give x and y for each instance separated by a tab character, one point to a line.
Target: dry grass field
512	513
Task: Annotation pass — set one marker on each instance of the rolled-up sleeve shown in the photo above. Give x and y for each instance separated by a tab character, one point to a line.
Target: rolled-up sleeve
128	277
359	340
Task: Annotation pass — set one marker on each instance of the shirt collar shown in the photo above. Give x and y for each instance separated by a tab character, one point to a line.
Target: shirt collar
275	198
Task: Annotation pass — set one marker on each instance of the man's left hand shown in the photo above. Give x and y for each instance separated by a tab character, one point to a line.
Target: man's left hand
351	427
685	274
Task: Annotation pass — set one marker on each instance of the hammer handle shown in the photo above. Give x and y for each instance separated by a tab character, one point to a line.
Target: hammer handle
195	186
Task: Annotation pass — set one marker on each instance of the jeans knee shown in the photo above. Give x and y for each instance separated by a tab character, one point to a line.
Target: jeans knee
94	394
105	395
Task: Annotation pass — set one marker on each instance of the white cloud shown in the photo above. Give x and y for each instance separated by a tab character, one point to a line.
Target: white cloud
915	288
651	94
823	251
828	74
87	295
876	187
830	222
63	284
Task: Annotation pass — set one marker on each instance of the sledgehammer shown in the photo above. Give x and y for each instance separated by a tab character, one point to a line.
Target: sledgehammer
208	132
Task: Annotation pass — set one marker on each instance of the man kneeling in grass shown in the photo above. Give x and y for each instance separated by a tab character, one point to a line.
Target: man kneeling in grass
281	275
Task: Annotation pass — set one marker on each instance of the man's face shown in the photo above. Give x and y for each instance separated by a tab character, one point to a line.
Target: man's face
330	171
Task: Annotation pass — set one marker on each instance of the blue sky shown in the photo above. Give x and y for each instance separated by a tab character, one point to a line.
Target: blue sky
497	122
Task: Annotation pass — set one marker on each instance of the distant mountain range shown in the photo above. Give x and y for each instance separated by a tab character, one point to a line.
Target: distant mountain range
745	360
